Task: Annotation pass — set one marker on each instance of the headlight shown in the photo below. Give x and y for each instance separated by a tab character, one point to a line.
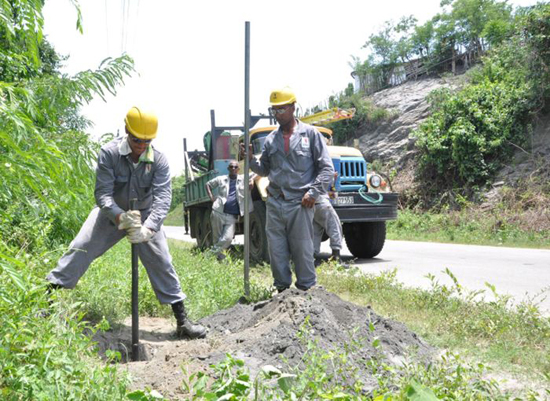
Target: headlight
375	181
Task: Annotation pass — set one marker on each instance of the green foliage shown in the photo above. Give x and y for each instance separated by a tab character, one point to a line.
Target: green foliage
317	378
503	225
473	132
175	217
209	285
462	27
46	357
177	191
46	189
482	325
366	113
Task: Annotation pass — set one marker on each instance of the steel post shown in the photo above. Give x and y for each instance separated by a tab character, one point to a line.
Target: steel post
246	161
135	305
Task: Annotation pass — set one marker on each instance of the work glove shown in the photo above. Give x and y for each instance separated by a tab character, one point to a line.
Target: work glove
141	234
129	219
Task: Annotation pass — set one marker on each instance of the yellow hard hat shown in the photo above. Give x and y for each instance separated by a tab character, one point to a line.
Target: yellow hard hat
280	97
141	124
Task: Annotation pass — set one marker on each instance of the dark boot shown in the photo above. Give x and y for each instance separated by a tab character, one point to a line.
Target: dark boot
186	328
50	288
336	257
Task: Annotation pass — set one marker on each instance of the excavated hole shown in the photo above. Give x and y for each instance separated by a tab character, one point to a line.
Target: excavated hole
124	348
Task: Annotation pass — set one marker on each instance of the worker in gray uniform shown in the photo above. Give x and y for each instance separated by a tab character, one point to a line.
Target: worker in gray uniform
326	220
227	205
129	168
295	159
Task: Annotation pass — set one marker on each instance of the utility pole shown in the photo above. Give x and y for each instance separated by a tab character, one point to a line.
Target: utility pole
246	160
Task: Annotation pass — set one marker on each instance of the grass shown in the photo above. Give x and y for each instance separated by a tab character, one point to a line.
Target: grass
515	340
175	217
209	285
482	339
514	217
468	227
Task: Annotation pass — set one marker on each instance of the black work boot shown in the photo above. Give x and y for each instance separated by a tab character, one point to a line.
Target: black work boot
336	257
50	289
186	328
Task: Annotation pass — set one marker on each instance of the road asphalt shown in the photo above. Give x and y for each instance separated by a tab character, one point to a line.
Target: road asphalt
524	274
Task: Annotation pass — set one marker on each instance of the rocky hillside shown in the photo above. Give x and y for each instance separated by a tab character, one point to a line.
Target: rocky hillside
390	142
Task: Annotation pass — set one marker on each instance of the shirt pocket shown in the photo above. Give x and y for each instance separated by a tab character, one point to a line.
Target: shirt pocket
145	184
303	159
121	181
275	158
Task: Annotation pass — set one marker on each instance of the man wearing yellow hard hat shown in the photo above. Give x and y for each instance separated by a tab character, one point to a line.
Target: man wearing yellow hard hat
130	168
295	159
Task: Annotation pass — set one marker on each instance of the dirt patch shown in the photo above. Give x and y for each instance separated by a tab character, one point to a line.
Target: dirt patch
263	334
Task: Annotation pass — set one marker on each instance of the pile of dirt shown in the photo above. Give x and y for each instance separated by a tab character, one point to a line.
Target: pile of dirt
262	334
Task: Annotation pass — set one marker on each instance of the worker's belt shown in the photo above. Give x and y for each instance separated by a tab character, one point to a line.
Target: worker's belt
282	195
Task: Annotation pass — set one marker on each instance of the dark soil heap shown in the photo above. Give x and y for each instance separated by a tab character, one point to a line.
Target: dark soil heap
263	334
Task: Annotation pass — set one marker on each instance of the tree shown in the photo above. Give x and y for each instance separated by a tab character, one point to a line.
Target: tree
46	179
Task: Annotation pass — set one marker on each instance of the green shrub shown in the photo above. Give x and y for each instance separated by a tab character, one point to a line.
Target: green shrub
473	132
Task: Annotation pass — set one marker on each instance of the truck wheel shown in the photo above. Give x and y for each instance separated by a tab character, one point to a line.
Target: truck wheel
258	239
196	221
206	230
365	239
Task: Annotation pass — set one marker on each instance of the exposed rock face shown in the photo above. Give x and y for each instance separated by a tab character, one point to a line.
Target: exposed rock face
391	141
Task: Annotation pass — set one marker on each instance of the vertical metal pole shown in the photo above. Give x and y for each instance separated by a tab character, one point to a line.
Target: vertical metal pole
135	304
185	217
213	140
246	162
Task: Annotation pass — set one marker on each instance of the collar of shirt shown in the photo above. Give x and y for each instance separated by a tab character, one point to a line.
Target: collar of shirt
146	157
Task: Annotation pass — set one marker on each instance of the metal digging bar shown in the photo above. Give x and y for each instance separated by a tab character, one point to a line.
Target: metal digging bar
135	308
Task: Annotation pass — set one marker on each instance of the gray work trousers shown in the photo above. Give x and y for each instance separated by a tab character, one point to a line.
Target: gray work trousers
326	220
223	230
99	234
289	229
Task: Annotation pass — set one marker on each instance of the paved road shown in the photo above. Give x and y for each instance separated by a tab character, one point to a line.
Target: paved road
521	273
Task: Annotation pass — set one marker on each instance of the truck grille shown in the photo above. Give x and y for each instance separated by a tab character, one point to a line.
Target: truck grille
351	174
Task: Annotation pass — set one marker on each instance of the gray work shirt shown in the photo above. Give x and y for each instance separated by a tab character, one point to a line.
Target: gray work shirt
306	168
118	181
222	183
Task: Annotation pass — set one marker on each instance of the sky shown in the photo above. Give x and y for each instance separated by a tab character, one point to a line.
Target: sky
190	55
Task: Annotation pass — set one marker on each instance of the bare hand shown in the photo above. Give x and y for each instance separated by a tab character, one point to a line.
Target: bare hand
242	152
308	201
251	183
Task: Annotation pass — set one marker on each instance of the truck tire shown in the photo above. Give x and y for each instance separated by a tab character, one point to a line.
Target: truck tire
206	230
196	221
259	252
365	239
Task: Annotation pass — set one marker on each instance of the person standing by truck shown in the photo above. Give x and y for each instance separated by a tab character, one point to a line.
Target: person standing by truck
325	219
227	205
295	159
130	168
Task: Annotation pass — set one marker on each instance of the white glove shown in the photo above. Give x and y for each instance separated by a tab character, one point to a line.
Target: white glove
141	234
129	219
